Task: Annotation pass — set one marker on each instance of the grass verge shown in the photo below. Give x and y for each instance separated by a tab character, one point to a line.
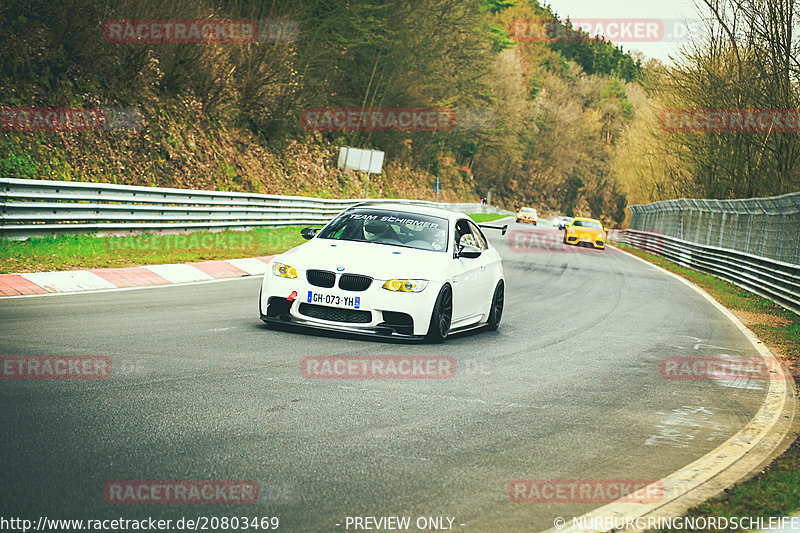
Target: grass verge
775	491
80	251
486	217
74	252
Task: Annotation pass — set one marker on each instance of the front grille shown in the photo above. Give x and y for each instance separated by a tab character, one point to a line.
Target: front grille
321	278
334	314
354	282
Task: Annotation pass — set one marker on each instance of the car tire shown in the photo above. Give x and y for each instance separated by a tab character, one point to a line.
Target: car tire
442	316
496	311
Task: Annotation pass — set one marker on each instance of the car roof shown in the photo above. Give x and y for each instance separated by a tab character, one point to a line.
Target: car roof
588	219
411	208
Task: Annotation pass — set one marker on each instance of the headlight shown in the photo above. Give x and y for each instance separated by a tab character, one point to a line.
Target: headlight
405	285
601	236
571	230
283	271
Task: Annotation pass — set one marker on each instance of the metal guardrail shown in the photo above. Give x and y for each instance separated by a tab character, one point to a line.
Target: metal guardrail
764	227
776	280
44	207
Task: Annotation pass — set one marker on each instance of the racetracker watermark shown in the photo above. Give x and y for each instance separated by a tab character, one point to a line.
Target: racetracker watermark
731	120
542	241
187	31
618	30
724	368
180	492
585	491
378	119
378	367
181	241
54	367
73	119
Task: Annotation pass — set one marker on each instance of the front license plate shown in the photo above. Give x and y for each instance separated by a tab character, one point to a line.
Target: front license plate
334	300
586	239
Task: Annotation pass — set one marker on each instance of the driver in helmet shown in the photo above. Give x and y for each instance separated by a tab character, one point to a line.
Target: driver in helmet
377	230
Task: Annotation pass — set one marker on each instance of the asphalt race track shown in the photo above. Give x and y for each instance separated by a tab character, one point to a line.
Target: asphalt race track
569	387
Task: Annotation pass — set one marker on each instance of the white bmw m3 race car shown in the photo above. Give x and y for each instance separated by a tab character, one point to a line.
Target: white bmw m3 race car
388	270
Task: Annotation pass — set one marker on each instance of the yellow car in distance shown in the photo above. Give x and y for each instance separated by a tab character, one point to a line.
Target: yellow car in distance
586	231
528	215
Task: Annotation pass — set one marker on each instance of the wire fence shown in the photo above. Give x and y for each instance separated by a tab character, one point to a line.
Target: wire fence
769	278
763	227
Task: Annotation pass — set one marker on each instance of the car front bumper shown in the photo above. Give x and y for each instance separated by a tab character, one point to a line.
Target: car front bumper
584	240
380	312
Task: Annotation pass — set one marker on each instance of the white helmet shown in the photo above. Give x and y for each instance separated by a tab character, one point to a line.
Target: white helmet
373	229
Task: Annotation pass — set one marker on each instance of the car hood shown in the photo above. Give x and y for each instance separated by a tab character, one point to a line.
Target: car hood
380	261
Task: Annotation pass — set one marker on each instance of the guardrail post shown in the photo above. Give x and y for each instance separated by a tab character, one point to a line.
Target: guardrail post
750	221
780	238
763	228
4	188
688	214
634	209
796	200
653	219
655	224
673	220
699	220
710	223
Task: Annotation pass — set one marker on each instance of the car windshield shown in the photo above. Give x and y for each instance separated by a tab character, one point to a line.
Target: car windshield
409	230
529	210
587	224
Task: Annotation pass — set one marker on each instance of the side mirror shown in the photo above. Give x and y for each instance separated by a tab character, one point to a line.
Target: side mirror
470	252
309	233
605	230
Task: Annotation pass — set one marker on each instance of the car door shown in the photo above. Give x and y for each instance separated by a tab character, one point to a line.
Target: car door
466	277
489	262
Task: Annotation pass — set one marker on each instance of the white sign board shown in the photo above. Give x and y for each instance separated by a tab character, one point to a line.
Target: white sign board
370	161
376	162
342	157
355	159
